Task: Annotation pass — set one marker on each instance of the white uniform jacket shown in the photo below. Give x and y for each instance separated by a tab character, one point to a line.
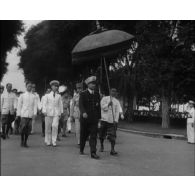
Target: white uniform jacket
106	111
8	103
27	105
52	106
191	113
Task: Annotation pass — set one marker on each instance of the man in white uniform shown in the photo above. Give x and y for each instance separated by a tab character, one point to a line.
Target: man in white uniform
52	109
110	109
190	122
26	110
8	109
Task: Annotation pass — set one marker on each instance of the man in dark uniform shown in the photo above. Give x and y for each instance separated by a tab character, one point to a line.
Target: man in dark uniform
89	105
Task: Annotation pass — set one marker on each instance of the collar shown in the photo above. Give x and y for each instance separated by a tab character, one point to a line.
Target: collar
90	91
6	92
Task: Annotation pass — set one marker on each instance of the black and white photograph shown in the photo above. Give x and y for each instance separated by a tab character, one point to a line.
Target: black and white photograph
97	97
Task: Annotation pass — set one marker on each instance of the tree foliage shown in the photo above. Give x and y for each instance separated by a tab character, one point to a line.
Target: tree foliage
164	60
48	52
10	29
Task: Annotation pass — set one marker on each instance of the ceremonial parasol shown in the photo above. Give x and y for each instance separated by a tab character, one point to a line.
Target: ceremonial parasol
101	44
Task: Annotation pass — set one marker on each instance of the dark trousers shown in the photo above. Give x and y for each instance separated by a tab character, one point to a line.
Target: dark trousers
109	130
17	125
25	128
43	124
88	130
7	120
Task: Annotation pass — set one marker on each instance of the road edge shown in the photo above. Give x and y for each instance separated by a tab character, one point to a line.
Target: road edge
157	135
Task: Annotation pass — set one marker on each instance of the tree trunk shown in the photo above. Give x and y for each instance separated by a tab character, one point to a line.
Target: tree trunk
165	112
134	103
130	109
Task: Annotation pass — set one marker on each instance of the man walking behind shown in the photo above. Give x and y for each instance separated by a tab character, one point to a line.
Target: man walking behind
42	115
52	109
75	112
26	110
89	105
66	112
110	109
8	109
38	105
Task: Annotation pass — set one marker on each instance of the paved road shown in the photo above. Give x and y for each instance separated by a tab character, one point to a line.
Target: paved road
138	155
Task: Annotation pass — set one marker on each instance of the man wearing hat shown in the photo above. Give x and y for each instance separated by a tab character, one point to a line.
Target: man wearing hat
90	114
190	122
52	109
75	112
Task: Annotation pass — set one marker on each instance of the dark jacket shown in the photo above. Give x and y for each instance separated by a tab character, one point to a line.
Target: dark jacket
90	104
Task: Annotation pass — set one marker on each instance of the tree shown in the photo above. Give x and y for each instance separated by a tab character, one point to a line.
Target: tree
48	52
163	66
10	29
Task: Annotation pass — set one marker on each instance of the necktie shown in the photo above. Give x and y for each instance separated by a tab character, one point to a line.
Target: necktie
54	95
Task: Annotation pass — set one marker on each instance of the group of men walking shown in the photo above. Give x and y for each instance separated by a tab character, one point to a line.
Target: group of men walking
91	114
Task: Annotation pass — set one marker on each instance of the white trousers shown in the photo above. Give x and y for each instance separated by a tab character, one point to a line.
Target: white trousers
51	129
77	129
190	132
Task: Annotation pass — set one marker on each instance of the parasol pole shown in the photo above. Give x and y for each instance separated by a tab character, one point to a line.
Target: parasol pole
108	82
100	83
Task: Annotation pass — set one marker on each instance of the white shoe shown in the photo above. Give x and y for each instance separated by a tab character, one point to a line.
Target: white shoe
54	145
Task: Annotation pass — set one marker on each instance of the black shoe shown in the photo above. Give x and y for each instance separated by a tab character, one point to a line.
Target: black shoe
113	153
81	153
25	145
3	136
22	144
95	156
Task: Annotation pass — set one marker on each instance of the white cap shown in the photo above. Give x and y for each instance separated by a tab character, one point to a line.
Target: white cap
54	82
90	79
62	89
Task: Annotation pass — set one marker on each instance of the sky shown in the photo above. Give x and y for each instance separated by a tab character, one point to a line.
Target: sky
15	75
